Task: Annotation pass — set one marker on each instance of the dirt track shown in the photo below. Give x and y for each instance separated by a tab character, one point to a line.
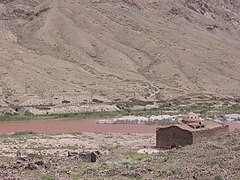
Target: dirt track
75	125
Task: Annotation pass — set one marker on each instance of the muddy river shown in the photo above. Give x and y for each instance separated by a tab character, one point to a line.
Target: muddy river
76	125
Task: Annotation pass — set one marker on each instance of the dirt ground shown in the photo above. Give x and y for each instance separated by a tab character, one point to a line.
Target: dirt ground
122	157
59	144
125	151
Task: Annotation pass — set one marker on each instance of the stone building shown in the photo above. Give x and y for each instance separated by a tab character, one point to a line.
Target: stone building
191	129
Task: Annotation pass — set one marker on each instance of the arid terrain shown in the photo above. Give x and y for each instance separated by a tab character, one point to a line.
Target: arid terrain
66	54
77	77
30	156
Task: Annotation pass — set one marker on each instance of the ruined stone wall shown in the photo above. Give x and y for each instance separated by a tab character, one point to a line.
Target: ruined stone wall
204	134
173	137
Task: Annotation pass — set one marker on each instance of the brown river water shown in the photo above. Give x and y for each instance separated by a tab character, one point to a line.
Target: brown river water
77	125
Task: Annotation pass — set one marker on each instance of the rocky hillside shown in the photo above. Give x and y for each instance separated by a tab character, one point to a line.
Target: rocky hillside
56	51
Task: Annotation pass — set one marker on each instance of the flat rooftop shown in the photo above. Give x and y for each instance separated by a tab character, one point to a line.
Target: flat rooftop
208	125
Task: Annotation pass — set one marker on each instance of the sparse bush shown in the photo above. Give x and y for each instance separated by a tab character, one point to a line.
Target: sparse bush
47	177
237	161
138	177
157	166
135	155
176	171
125	163
237	178
23	133
95	172
216	162
17	134
75	175
28	113
218	177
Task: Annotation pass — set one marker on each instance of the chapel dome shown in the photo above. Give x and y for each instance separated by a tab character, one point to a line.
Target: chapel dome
191	117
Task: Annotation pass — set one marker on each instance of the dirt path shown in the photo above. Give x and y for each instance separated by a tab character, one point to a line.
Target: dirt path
76	125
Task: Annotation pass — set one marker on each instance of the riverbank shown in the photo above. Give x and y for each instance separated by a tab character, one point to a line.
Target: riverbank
204	110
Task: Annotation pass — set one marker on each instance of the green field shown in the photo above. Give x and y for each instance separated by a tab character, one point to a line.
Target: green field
144	112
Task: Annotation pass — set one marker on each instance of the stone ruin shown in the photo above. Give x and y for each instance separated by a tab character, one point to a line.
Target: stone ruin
85	156
190	130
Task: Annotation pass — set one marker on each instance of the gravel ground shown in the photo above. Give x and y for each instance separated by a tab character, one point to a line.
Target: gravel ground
122	156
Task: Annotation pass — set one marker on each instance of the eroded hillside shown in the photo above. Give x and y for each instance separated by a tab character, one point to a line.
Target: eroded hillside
57	51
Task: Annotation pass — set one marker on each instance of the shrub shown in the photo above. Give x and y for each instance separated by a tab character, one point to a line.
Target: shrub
47	177
135	155
176	172
218	177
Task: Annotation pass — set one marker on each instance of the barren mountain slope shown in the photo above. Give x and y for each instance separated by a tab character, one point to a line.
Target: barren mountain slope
76	50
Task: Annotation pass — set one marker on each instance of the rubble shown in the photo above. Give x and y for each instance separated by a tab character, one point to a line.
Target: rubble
85	156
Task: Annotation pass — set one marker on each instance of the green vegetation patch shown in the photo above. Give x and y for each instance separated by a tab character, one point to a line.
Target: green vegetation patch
31	172
133	177
217	162
176	171
47	177
18	134
76	176
237	178
135	155
218	177
208	110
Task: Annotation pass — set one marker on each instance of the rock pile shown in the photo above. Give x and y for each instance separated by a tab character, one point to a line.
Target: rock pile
85	156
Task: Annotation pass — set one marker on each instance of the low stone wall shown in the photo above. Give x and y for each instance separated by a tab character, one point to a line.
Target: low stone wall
204	134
